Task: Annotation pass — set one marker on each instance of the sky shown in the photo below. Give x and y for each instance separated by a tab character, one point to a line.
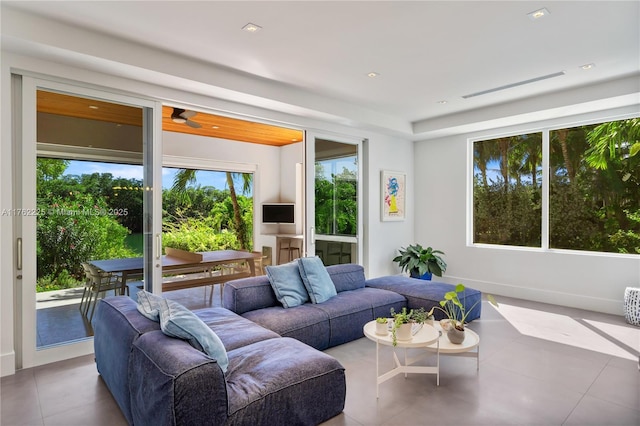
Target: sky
204	177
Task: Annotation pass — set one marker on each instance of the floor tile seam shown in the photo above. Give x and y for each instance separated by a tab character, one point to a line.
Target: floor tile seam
614	402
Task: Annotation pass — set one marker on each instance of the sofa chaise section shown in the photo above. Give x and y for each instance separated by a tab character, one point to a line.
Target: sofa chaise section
427	294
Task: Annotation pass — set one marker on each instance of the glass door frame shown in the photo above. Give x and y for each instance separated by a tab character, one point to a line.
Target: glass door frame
25	226
309	211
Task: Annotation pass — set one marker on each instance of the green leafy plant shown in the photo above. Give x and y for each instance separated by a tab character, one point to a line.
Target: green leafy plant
455	309
381	320
418	316
418	260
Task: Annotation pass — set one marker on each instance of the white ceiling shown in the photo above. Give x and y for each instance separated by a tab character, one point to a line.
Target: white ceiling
424	51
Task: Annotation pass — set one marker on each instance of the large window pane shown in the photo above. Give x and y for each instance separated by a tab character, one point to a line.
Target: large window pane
507	190
594	200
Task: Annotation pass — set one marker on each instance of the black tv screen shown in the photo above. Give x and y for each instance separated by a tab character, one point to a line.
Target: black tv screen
278	213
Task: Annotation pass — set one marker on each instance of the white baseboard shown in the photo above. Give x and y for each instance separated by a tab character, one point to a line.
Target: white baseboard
608	306
7	364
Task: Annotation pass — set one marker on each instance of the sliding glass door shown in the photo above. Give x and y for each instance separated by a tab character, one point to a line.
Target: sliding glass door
333	198
88	174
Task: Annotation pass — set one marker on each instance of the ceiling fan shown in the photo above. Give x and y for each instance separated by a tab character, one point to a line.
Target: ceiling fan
180	115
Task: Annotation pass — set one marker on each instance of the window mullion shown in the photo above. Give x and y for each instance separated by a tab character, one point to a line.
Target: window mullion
545	189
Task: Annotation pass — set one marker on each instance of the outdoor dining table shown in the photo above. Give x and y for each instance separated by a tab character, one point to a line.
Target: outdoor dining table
202	261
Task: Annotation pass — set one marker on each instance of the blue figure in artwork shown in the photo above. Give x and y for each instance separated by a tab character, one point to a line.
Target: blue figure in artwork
392	194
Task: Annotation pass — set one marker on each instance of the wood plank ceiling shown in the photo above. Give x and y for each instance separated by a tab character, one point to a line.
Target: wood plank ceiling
215	126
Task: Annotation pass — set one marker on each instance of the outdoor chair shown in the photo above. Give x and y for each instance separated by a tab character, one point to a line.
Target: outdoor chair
86	293
101	283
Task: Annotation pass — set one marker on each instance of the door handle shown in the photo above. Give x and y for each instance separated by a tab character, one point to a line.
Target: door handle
158	248
19	254
312	235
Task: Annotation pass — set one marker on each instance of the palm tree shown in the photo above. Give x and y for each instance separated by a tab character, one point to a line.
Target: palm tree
609	139
184	177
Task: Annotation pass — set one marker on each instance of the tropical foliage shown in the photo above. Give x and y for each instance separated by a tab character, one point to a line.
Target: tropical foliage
91	216
336	201
594	188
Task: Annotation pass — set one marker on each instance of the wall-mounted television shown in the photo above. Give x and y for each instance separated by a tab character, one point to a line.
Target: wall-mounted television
278	213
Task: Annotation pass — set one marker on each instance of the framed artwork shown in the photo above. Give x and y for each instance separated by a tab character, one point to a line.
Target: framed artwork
394	193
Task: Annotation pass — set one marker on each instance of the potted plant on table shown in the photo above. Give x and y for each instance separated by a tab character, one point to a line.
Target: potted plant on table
421	262
381	326
456	313
403	322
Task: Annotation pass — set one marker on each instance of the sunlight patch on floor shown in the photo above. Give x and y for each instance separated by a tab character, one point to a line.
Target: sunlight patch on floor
565	330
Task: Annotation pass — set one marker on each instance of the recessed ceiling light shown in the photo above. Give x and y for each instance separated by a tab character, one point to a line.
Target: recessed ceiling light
93	107
373	74
252	28
537	14
442	102
587	66
215	127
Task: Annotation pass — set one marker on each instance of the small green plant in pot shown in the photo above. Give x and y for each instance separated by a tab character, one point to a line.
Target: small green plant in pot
381	326
406	319
456	313
421	262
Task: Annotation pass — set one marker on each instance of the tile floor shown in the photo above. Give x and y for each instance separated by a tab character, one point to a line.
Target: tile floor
539	365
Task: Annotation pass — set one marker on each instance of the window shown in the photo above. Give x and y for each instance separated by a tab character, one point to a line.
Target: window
594	192
507	190
594	189
336	196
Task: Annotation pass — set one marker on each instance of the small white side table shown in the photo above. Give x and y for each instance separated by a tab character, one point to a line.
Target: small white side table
464	349
422	339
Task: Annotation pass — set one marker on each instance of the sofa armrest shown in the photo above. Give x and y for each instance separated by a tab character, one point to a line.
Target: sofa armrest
248	294
171	383
117	324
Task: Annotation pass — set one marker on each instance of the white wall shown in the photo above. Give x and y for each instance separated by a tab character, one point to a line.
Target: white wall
584	280
382	239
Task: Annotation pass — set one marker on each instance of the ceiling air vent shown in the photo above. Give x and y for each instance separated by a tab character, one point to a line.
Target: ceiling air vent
509	86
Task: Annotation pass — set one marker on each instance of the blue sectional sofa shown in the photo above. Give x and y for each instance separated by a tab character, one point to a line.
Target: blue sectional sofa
160	380
276	372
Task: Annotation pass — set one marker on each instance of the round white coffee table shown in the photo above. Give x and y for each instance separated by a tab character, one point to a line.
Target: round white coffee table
464	349
426	337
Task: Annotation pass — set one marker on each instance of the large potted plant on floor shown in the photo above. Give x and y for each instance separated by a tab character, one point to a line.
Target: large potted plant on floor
421	262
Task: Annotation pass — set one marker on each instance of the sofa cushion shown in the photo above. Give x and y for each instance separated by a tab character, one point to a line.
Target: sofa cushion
233	330
178	321
287	284
348	276
316	279
149	305
306	323
281	381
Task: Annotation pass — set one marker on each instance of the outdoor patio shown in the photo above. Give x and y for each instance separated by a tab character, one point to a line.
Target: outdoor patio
60	320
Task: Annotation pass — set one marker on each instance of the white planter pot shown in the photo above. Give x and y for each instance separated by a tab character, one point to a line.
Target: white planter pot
382	329
404	332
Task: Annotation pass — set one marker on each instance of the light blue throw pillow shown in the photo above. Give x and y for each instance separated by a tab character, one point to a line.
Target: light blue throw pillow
149	305
287	284
178	321
316	279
